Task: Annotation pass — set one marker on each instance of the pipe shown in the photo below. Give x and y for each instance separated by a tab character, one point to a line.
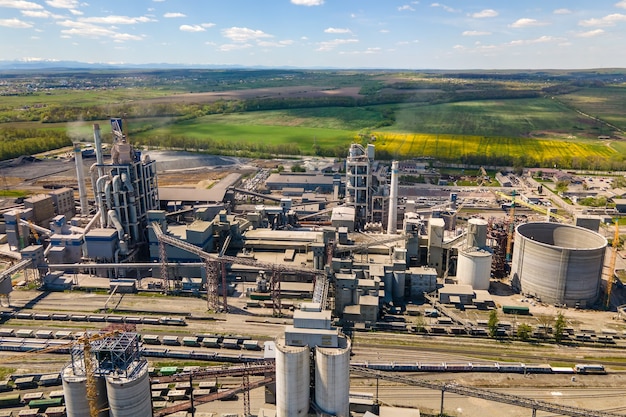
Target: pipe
91	223
123	245
56	267
80	176
132	209
99	201
98	144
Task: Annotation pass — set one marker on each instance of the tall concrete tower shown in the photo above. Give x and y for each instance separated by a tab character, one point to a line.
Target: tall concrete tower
392	221
359	181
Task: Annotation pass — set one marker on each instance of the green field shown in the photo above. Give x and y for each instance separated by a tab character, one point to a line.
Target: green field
501	118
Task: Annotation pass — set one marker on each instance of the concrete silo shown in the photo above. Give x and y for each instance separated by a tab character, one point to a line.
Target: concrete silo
129	392
558	263
474	268
292	379
75	392
332	382
477	233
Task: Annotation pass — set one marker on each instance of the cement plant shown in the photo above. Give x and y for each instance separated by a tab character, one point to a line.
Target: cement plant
343	290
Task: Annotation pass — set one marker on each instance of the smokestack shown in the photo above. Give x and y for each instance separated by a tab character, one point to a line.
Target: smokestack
393	200
80	176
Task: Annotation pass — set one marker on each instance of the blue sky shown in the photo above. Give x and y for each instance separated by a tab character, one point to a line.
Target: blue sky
453	34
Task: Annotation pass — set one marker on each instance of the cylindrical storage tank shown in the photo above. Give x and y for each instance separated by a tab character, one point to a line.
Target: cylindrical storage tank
477	233
292	379
75	392
332	379
559	263
398	285
474	268
130	396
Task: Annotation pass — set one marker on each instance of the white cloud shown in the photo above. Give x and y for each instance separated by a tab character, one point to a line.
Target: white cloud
76	12
207	25
406	8
590	33
89	30
20	4
609	20
368	51
63	4
117	20
227	47
337	30
191	28
237	34
45	14
279	44
446	8
526	22
15	23
541	39
621	4
383	31
484	13
330	45
307	2
562	11
475	33
174	14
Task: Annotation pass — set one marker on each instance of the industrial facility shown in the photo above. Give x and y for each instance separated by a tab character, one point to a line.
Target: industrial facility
358	246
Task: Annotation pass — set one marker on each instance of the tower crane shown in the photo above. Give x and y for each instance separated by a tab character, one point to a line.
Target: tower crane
277	269
611	275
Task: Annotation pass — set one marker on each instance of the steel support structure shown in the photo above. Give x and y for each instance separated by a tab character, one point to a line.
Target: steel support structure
484	394
165	276
246	392
211	270
275	292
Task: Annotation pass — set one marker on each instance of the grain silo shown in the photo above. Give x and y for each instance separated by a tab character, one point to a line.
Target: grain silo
474	268
332	384
558	263
292	379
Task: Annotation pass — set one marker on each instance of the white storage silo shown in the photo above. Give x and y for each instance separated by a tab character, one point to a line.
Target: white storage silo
477	233
474	268
292	379
75	392
130	396
332	381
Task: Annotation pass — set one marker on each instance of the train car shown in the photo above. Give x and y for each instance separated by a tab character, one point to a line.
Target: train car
56	411
190	341
212	342
151	339
251	345
43	404
538	369
6	332
590	369
171	340
172	321
507	367
10	400
458	366
231	344
432	367
484	367
168	370
60	317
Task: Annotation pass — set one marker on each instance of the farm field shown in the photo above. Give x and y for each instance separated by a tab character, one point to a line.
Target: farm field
608	103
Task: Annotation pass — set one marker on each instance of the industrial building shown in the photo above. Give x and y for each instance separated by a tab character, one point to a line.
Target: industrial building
363	256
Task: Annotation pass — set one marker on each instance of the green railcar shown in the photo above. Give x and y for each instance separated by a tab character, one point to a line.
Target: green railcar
45	403
522	310
10	400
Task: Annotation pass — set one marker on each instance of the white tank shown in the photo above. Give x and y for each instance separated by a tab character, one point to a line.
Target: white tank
474	268
477	233
75	392
392	219
332	379
292	380
130	397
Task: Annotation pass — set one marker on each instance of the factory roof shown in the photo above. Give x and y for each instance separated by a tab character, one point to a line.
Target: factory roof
192	195
284	235
343	213
368	300
295	179
99	233
457	289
